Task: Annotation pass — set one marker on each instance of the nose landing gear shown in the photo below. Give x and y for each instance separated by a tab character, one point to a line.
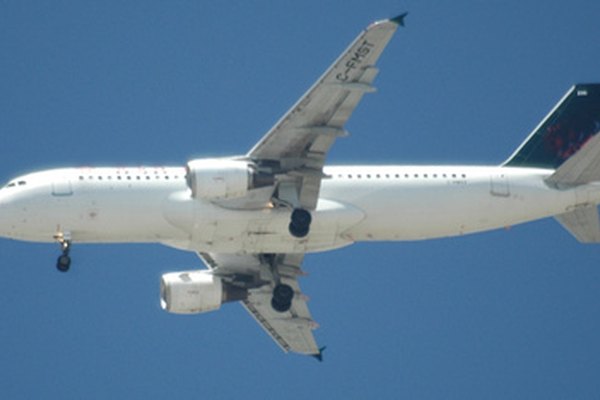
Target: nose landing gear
63	263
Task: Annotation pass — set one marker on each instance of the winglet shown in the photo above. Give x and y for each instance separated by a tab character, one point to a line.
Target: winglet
399	20
319	355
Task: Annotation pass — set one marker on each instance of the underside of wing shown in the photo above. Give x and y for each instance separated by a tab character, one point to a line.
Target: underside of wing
296	146
284	169
291	330
291	325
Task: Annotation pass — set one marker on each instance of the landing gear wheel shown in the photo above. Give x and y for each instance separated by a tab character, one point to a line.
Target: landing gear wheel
300	223
282	297
63	263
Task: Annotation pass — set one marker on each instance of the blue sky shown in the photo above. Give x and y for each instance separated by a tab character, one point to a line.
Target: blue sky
504	314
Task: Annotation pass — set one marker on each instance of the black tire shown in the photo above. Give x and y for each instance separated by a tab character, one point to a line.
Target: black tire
280	307
283	292
63	263
301	217
298	231
300	223
282	297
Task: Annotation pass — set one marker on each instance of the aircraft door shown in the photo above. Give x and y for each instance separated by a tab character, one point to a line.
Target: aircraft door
499	185
62	187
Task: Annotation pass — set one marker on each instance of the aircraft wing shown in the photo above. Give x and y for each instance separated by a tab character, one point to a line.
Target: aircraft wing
291	330
298	143
294	151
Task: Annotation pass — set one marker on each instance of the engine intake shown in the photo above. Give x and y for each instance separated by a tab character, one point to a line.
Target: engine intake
224	178
194	292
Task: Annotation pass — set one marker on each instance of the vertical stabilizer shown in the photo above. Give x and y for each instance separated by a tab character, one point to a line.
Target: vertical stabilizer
567	141
570	125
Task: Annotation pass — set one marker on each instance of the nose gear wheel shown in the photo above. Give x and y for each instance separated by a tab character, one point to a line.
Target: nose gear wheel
63	263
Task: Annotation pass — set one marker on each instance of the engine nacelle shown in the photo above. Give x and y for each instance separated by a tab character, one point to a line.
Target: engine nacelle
223	178
193	292
214	179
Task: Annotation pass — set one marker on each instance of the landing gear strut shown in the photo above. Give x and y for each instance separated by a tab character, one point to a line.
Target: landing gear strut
300	223
282	297
63	263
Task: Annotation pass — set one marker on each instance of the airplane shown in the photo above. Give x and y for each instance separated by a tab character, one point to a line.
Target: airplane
252	218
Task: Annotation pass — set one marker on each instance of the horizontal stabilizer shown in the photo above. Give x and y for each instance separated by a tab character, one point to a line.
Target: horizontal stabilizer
582	168
583	223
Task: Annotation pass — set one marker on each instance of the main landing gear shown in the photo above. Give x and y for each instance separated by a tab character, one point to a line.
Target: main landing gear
282	297
63	263
283	294
300	223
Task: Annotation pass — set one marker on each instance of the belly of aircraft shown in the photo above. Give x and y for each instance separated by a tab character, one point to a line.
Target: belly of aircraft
212	228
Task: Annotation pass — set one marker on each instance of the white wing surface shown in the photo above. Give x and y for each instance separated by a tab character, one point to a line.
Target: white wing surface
294	152
291	330
298	143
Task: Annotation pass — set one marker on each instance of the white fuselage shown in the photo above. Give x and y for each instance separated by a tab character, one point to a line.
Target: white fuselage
356	203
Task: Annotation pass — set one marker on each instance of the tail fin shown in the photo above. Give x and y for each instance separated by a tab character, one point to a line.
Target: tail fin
570	125
567	140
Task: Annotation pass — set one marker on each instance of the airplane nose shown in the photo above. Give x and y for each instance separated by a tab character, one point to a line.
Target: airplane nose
6	222
4	227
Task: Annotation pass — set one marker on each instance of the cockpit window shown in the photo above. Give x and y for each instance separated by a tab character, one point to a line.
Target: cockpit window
15	183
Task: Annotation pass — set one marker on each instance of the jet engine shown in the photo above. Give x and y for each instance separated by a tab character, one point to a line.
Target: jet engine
194	292
224	178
